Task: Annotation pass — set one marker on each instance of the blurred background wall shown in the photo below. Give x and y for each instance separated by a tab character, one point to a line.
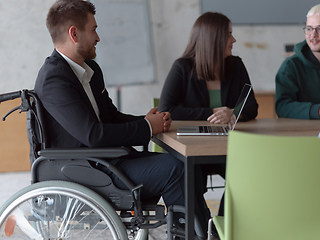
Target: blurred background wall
25	42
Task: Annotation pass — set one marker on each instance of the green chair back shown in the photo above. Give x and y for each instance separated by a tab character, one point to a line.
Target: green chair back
155	102
155	147
272	188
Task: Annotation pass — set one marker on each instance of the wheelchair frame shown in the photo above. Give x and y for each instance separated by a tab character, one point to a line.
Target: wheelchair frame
58	185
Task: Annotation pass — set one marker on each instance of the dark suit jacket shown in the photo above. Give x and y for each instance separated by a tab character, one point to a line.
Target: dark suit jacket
186	97
70	118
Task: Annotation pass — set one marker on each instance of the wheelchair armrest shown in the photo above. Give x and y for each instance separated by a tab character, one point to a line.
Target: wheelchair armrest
99	155
112	152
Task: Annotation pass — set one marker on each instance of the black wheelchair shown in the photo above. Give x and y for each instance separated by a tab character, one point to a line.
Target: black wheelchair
71	198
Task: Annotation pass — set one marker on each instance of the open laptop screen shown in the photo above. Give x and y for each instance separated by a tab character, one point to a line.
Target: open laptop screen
240	104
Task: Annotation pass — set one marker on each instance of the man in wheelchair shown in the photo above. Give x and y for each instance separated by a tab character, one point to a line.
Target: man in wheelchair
79	113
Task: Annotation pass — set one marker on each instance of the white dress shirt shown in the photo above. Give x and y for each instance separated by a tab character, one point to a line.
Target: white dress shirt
84	74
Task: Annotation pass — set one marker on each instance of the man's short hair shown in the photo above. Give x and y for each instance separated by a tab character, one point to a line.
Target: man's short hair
314	10
66	13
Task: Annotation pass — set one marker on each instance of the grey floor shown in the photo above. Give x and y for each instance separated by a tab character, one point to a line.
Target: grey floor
11	183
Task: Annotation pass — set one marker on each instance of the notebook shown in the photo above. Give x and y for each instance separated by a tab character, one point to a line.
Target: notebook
221	130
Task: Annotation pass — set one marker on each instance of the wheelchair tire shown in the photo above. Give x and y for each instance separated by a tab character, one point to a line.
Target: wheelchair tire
59	210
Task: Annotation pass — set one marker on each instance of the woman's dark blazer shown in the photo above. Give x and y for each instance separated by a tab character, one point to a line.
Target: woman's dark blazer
186	97
70	118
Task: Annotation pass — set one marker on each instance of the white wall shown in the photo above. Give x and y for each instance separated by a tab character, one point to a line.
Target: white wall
25	42
262	48
171	21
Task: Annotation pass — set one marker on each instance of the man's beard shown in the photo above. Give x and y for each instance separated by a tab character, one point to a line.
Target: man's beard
86	54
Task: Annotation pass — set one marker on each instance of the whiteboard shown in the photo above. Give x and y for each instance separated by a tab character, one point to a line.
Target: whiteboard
125	50
261	11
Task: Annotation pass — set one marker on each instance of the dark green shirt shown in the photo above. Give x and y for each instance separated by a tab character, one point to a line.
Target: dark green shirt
215	98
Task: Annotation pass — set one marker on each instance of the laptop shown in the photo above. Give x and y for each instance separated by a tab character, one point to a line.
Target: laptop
220	130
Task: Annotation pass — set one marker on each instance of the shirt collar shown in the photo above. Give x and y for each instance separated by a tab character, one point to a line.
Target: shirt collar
83	73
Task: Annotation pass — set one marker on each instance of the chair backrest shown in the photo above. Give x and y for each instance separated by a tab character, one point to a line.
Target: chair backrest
155	102
272	187
35	124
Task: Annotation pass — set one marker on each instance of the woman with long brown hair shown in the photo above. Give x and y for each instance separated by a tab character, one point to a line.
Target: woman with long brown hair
206	81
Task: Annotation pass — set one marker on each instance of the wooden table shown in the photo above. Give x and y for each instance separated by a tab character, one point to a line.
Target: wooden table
213	149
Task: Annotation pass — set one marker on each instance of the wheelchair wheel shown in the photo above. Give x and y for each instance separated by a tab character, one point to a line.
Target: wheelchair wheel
59	210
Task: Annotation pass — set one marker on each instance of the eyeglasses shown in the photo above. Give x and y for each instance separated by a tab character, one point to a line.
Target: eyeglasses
309	30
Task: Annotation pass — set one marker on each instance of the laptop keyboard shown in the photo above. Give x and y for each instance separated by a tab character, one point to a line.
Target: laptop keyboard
211	129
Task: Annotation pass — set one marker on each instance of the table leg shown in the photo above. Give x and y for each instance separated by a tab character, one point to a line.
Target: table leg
189	197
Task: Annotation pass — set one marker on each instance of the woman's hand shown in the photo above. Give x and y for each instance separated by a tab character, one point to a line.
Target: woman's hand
220	115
